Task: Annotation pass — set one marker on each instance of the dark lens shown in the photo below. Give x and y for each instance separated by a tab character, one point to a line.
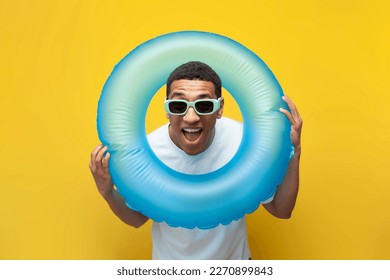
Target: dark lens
177	107
204	106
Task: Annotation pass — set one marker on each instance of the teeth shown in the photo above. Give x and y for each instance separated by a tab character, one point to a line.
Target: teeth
191	130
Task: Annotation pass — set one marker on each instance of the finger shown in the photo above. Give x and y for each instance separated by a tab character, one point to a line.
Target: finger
289	102
295	113
293	108
100	155
92	167
106	159
92	162
95	151
288	115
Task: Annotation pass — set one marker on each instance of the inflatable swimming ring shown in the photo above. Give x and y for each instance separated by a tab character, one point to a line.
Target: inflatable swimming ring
189	201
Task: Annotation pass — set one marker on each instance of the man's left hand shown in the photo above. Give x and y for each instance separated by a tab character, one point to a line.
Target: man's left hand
296	122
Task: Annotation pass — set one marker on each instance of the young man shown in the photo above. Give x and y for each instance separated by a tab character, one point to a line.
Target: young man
199	140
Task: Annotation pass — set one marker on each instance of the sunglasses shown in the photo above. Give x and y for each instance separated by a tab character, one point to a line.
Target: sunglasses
201	106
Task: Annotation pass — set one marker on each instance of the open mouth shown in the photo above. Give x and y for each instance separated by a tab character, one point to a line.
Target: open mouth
192	134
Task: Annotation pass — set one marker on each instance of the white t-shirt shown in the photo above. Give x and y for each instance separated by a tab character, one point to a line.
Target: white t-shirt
221	242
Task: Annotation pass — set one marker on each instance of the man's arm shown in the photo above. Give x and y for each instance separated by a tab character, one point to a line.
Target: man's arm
286	194
99	169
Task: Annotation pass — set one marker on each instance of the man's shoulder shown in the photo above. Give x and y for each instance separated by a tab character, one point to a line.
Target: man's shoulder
159	131
158	135
230	124
228	134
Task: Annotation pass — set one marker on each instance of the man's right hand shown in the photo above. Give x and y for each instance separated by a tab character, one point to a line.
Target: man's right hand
99	169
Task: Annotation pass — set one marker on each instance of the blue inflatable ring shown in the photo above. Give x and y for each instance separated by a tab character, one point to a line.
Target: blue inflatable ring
189	201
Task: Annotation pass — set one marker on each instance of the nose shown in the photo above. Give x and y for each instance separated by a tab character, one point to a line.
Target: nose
191	116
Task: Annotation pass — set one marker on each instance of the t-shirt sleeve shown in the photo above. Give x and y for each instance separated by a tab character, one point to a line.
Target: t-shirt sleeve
268	200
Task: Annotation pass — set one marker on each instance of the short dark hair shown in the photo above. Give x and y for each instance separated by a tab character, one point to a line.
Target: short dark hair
195	70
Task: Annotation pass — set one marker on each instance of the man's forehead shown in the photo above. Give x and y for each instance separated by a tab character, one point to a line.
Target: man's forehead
193	85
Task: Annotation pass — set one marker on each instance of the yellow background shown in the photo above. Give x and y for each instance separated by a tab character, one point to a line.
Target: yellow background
331	57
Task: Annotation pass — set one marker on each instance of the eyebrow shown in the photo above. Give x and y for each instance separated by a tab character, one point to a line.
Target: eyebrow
177	94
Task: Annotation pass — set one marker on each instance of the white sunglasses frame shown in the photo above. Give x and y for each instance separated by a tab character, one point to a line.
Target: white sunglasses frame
216	106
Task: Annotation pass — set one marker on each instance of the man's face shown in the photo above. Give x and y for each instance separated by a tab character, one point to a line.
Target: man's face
191	132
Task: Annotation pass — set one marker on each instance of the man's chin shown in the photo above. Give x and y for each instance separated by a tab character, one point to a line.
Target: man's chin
192	148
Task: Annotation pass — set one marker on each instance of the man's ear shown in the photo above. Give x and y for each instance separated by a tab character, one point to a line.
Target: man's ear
220	110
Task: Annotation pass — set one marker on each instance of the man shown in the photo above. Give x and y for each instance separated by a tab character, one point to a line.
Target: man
199	140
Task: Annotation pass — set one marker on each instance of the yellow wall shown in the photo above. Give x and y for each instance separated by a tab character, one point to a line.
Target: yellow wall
331	57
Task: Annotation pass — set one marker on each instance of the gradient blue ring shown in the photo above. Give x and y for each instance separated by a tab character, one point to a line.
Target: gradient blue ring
189	201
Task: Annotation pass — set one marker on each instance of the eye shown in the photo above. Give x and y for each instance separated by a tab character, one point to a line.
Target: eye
204	106
177	107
